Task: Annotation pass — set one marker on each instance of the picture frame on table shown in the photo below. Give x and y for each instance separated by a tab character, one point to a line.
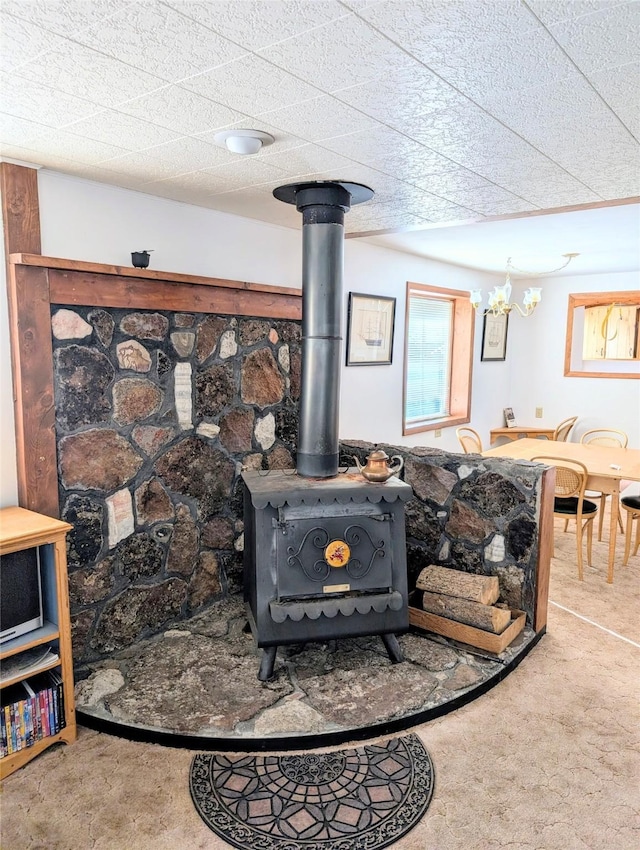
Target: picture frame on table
370	325
494	337
509	418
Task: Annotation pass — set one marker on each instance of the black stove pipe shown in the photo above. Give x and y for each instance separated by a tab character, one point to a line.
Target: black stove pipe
323	205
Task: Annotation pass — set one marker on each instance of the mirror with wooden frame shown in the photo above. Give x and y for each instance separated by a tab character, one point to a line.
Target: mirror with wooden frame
603	335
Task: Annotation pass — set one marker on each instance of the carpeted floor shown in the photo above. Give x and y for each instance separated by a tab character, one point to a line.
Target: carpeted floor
547	760
364	797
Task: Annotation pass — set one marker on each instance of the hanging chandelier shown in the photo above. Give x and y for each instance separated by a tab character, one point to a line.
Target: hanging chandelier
499	297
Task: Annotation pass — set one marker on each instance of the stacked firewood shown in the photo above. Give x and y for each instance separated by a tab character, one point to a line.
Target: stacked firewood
463	597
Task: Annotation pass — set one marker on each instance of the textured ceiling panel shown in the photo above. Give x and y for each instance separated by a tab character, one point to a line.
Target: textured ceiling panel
159	40
251	85
74	69
255	24
602	39
184	111
449	109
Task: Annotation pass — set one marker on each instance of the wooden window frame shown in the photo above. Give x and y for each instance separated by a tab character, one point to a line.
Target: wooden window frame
595	299
462	335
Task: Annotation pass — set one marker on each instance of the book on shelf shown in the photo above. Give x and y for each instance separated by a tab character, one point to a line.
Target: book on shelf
26	663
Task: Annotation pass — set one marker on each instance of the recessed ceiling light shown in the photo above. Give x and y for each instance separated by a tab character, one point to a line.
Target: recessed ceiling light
243	141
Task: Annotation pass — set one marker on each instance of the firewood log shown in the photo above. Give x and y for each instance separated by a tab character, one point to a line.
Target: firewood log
486	617
484	589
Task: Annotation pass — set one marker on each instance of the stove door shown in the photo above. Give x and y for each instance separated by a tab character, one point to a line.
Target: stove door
321	552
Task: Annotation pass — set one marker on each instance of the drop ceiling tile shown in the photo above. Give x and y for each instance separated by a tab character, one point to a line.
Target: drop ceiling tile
256	205
155	38
320	118
362	220
10	152
21	42
99	175
181	110
551	198
537	179
141	166
561	119
602	39
254	24
237	174
33	101
432	29
18	131
436	204
325	56
487	200
75	69
388	151
450	213
251	85
65	144
465	135
620	88
616	180
307	158
168	160
451	179
402	95
530	58
63	17
562	10
114	128
42	160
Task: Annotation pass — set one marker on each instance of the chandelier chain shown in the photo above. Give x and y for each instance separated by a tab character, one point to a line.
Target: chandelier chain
511	267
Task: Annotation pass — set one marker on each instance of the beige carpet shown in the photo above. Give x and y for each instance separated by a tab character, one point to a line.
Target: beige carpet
547	760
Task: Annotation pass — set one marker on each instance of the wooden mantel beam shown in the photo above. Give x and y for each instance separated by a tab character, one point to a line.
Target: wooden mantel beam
77	283
145	274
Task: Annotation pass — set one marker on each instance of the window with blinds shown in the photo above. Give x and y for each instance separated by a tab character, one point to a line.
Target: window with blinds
428	363
438	349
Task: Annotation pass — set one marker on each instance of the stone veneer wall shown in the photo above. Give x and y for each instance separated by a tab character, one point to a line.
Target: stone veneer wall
470	513
156	413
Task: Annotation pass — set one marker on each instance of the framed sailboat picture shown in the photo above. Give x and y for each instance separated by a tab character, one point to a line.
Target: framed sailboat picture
370	329
494	337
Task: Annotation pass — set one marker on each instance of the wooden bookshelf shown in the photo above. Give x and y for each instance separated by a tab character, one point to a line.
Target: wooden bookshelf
23	529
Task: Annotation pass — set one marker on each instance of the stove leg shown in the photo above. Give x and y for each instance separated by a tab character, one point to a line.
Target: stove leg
393	648
266	664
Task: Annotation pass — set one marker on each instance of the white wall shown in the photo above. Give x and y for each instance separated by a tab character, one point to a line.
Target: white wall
536	363
88	221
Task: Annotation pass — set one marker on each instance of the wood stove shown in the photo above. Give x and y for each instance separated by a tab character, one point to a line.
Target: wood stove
324	559
324	552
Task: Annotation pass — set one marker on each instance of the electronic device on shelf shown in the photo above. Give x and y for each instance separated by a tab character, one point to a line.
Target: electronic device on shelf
21	598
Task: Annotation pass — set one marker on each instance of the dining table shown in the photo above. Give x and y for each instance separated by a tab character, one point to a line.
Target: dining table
606	467
517	432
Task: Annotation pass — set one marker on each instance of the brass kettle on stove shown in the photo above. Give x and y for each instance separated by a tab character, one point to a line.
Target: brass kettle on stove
377	468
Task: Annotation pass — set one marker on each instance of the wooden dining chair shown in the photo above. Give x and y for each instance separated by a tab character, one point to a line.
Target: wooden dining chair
562	431
604	437
569	501
631	504
469	440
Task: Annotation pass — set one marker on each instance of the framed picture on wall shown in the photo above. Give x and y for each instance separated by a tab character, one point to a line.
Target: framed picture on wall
494	337
370	329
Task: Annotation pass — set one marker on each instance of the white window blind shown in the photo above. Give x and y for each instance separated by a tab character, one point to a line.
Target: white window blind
428	366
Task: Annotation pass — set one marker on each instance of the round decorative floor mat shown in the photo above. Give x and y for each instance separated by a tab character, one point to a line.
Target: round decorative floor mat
363	797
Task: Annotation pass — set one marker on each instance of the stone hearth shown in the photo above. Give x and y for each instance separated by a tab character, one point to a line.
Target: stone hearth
199	680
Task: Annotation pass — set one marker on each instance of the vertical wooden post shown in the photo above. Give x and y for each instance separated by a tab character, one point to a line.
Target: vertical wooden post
545	544
31	348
